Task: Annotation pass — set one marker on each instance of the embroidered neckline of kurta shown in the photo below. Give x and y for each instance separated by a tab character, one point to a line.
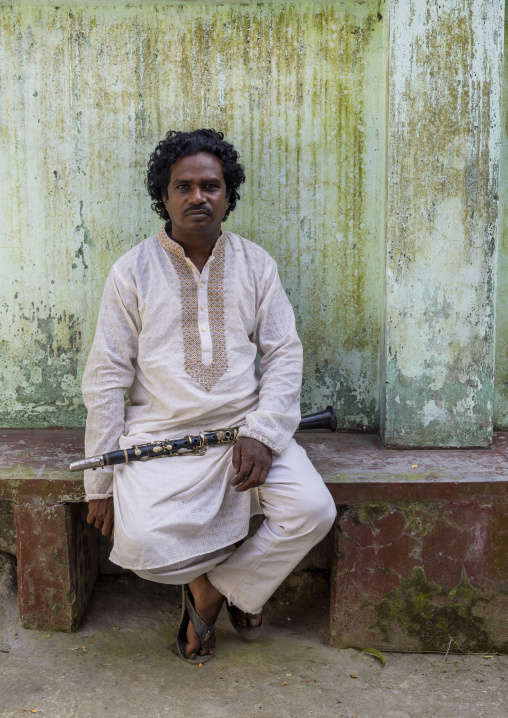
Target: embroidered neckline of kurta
206	376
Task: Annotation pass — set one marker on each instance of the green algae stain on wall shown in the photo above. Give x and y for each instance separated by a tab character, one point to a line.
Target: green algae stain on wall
299	88
319	182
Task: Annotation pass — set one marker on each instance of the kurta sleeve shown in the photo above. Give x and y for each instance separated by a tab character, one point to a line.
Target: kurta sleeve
109	372
278	414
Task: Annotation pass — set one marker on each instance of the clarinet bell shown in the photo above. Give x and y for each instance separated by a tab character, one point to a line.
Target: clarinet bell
322	420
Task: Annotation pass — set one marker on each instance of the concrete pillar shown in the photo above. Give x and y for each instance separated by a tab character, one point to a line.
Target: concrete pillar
445	64
57	564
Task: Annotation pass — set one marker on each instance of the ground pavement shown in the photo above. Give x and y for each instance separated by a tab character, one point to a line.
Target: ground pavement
122	664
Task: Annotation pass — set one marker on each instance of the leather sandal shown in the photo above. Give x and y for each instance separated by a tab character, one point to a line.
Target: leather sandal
248	633
203	630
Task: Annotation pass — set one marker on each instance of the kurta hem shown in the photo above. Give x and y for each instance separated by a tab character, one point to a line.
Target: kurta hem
181	557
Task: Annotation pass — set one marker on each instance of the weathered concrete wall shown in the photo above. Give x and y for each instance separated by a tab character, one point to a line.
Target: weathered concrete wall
501	372
445	70
300	88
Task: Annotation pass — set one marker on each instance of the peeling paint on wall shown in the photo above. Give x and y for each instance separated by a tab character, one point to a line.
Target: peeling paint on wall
445	65
299	88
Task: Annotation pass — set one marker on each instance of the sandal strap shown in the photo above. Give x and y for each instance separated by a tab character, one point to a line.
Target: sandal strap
203	630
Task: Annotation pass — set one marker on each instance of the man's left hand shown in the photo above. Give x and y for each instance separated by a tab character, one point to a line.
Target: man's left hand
252	461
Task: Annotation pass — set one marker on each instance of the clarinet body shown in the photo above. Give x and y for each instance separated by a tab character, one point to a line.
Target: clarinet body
196	445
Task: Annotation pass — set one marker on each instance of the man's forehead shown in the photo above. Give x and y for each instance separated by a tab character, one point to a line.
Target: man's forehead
202	166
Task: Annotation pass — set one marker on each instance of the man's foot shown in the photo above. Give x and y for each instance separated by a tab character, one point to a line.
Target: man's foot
208	603
247	625
244	619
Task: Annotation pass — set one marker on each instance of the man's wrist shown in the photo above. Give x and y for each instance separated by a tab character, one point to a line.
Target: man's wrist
245	433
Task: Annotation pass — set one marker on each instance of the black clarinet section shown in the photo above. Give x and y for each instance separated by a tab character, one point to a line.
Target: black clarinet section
196	445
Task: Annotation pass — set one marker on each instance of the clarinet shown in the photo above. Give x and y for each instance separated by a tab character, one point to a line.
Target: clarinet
196	445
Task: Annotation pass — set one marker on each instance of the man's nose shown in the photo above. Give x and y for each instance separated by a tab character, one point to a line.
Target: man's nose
197	196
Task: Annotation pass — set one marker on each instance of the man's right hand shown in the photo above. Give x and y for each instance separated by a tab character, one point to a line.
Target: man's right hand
101	513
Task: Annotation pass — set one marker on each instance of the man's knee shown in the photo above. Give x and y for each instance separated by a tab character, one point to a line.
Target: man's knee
318	514
138	543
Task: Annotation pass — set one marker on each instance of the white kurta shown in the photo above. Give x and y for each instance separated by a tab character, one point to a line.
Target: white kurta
182	346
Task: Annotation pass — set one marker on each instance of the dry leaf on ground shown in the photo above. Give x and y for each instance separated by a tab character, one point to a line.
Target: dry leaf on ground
377	654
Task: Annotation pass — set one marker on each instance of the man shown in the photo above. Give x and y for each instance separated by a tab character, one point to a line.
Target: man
182	318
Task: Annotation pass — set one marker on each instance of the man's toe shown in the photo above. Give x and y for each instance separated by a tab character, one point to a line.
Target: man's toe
192	643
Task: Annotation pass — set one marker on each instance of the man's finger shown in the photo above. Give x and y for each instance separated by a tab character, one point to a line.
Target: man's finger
251	481
242	474
237	457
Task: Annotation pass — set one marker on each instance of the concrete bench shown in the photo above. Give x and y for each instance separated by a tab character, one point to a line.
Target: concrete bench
420	545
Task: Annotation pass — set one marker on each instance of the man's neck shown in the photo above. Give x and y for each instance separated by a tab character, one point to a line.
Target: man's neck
197	246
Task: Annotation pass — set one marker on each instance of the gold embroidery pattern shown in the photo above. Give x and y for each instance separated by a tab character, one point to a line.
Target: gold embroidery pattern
206	376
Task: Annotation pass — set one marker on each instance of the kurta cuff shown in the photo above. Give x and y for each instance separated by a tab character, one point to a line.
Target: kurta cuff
254	435
98	483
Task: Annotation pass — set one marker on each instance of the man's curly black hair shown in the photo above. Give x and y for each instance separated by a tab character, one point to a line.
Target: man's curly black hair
180	144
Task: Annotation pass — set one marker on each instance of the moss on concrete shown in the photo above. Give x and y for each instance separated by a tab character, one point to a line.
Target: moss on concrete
14	475
369	512
434	614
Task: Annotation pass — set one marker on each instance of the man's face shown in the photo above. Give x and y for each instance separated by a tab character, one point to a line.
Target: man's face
196	195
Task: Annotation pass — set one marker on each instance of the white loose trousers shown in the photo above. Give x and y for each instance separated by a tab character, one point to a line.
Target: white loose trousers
299	511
